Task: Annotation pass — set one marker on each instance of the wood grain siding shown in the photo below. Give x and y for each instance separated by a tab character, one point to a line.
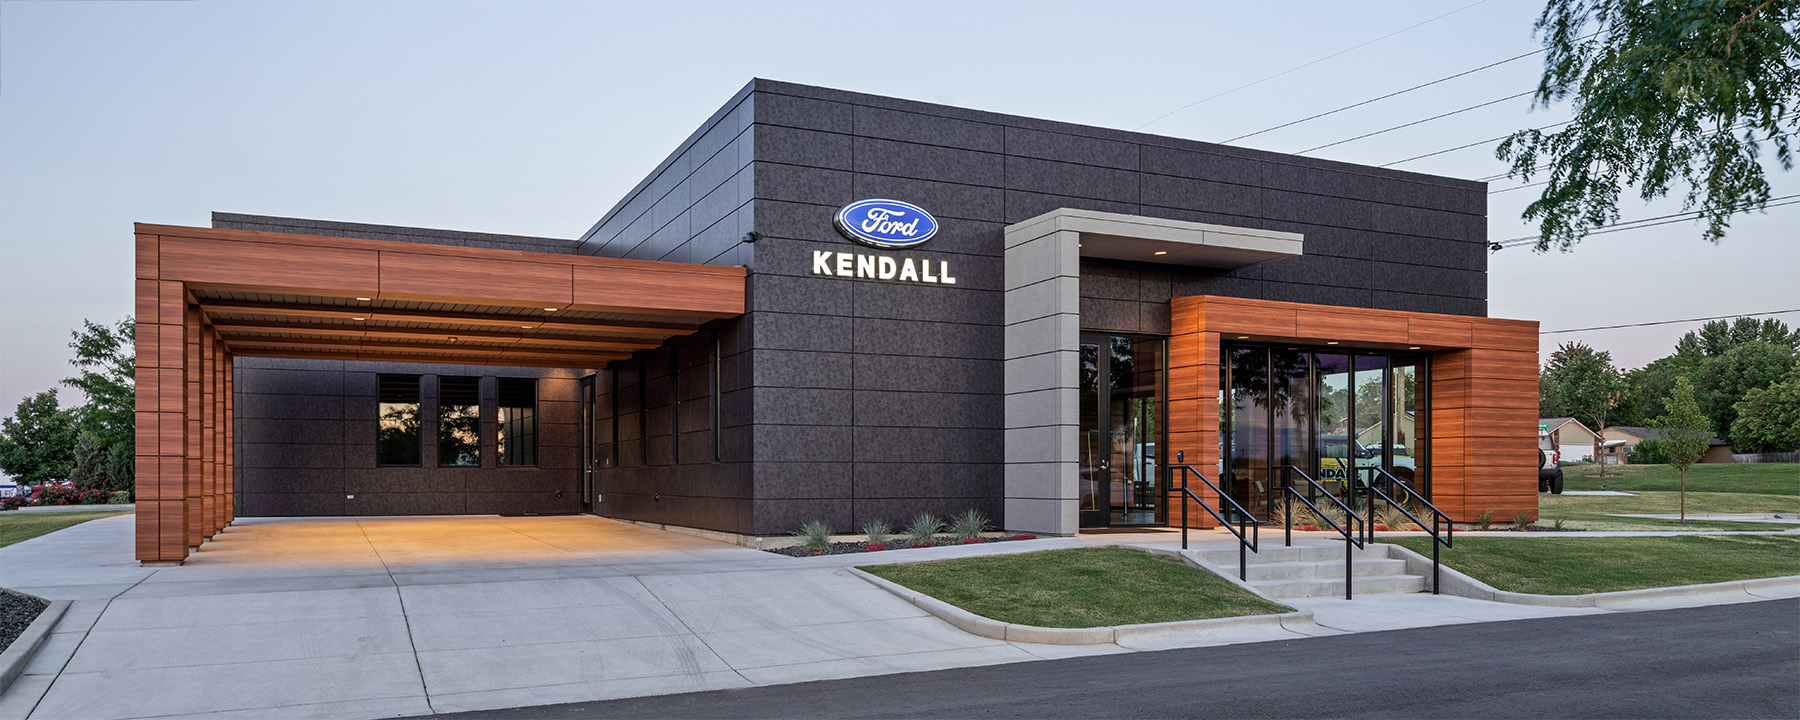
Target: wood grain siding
268	266
475	281
1483	388
1193	390
207	296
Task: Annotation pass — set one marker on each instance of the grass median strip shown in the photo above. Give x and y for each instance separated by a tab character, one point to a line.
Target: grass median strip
1579	565
1079	588
17	527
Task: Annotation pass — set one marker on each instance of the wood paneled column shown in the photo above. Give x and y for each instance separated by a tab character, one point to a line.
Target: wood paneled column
1484	405
162	386
1193	408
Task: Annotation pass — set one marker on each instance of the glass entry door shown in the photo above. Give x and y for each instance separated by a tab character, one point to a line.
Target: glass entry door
1330	413
1121	428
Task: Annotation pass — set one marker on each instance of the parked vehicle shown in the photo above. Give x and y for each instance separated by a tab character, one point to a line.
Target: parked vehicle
1550	473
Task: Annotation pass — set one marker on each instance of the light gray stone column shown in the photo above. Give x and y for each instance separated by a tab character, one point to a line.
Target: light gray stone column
1042	349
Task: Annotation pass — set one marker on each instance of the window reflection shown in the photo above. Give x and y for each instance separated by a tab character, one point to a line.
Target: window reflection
459	421
516	433
397	438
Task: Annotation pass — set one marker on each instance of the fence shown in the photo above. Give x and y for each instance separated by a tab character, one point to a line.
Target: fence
1785	457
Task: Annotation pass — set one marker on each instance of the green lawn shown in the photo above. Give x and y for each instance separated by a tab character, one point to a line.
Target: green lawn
1577	565
1746	488
1086	587
18	527
1759	478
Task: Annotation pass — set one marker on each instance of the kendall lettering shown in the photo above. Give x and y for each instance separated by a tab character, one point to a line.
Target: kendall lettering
880	267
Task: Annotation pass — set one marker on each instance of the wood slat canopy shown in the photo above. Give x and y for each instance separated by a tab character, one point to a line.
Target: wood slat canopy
206	296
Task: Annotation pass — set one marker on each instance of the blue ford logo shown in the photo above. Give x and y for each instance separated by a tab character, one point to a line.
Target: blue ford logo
889	224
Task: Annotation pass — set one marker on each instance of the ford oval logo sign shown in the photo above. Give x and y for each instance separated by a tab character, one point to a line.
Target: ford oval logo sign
888	224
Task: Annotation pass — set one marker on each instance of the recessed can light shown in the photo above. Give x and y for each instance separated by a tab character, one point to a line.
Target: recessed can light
1333	342
363	299
551	309
1415	347
359	318
1162	252
1243	337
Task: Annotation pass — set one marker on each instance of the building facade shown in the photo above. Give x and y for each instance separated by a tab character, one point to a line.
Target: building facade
1091	308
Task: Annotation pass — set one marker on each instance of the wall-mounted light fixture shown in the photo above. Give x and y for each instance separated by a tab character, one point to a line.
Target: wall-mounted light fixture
752	236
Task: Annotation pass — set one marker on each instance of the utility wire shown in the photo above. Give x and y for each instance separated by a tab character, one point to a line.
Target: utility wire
1668	322
1734	128
1470	145
1211	98
1392	94
1640	224
1418	122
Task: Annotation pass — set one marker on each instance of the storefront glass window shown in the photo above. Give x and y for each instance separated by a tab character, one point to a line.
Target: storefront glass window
397	439
459	421
516	437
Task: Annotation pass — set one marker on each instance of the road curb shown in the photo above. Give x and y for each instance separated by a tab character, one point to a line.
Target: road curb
19	654
1111	634
1453	582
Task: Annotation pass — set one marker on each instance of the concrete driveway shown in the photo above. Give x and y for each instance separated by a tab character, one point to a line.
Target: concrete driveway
373	617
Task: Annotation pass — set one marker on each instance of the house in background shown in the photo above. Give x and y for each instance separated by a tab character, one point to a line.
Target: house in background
1621	439
1575	439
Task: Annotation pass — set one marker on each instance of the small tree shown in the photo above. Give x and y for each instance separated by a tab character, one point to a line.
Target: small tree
37	444
1686	432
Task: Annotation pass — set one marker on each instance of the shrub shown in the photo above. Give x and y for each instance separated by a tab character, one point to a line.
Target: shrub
1486	520
876	531
120	497
815	535
66	495
1649	452
1522	521
1024	536
923	530
968	525
875	546
973	541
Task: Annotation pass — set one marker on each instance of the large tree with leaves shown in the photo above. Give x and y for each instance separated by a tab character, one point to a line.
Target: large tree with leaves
1665	92
107	371
1582	382
1768	419
37	444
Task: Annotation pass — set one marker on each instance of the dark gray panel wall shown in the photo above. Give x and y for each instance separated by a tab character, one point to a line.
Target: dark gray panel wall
872	399
306	442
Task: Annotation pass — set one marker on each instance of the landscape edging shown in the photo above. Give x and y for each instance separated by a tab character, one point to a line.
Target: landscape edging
24	647
1110	634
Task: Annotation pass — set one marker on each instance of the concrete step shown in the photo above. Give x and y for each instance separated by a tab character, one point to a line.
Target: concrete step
1274	552
1320	587
1361	567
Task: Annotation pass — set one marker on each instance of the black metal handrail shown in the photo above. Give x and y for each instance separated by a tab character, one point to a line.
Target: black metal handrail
1439	537
1246	521
1352	539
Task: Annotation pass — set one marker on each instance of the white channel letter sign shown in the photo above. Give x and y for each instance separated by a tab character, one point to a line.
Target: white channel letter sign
889	225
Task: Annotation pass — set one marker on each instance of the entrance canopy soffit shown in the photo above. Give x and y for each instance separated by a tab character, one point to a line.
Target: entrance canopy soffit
280	295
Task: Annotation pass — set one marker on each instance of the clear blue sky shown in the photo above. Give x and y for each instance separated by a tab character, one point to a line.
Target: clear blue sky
534	117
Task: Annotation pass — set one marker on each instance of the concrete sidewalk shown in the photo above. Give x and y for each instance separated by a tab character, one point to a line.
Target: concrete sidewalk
374	617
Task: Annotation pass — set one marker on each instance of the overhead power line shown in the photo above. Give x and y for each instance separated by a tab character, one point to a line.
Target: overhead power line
1211	98
1396	93
1668	322
1640	224
1470	145
1418	122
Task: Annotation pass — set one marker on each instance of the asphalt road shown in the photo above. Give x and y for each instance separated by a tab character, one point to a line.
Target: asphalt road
1728	661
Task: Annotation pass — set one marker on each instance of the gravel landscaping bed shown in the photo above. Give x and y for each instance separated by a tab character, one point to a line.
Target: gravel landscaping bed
844	548
16	614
